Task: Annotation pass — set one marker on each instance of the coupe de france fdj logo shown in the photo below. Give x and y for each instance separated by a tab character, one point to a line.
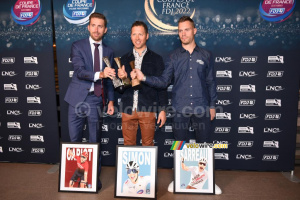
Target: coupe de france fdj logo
26	12
79	11
276	10
164	14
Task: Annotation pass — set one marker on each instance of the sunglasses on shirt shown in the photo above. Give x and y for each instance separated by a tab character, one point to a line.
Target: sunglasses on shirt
202	163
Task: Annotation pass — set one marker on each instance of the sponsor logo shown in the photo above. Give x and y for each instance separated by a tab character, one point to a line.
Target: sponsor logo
141	141
275	73
170	88
15	149
222	129
223	102
276	88
38	150
273	116
192	141
248	116
275	59
15	138
276	10
8	73
244	156
169	102
168	129
120	140
119	127
245	143
10	86
105	127
200	62
32	87
249	59
222	156
224	115
34	113
105	153
168	155
246	129
71	74
272	130
273	102
34	100
8	60
104	140
224	74
14	125
26	12
247	74
36	125
11	99
272	144
69	60
191	129
247	88
119	115
224	88
223	59
268	157
1	150
37	138
30	60
32	73
119	101
78	12
169	141
13	112
247	102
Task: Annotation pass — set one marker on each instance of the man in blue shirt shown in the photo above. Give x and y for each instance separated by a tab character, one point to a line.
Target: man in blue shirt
194	91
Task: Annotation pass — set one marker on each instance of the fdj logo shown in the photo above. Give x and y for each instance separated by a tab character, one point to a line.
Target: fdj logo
26	15
78	13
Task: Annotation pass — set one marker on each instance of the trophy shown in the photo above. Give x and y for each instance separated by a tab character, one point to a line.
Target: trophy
126	81
116	82
134	82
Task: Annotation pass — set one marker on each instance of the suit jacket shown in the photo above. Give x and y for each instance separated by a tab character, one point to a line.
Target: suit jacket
150	99
83	76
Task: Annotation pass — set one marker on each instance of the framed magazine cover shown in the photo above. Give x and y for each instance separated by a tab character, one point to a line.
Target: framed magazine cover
194	170
136	172
79	167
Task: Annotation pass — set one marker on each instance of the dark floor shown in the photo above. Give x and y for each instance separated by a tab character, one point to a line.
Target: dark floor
32	181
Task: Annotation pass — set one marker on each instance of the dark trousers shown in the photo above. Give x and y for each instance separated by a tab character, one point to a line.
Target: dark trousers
200	123
90	110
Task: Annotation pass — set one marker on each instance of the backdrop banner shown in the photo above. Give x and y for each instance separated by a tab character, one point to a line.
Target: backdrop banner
256	47
28	114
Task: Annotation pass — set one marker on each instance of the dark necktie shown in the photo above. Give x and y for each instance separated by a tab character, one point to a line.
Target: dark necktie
97	84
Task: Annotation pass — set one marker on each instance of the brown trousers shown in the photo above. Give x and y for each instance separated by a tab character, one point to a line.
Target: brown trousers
130	123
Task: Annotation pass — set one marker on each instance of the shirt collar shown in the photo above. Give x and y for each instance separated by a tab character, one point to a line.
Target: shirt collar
197	48
135	53
93	41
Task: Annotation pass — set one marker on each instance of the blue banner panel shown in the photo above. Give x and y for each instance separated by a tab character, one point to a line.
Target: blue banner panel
28	115
256	70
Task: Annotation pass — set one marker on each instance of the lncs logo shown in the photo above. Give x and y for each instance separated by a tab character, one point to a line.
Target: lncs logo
26	12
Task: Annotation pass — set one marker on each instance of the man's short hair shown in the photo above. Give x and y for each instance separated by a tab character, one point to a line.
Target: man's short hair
186	18
99	16
140	23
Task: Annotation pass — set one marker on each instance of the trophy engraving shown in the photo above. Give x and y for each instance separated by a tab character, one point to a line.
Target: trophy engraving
116	82
134	82
126	81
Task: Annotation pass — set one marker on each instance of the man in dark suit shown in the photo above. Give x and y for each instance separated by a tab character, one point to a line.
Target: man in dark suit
90	85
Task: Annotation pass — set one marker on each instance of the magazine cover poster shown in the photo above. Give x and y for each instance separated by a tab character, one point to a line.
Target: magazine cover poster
194	170
136	172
